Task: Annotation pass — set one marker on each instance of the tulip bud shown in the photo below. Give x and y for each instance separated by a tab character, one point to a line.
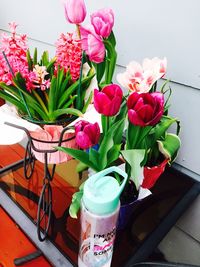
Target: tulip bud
103	21
108	101
75	11
145	109
87	134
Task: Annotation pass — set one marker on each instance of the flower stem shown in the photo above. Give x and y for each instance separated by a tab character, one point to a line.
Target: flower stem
78	31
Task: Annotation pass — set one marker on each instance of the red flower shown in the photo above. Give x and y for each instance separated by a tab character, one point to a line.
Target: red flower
87	134
108	101
145	109
152	174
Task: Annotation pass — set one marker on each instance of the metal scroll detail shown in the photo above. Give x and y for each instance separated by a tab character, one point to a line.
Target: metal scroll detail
29	161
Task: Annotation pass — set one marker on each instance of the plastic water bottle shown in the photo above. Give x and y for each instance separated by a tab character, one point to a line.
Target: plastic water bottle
99	213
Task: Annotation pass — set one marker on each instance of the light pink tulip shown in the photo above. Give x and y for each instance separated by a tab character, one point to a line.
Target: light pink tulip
140	78
75	11
92	44
103	21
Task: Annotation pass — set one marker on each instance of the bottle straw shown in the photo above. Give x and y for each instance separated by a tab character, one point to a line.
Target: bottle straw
22	96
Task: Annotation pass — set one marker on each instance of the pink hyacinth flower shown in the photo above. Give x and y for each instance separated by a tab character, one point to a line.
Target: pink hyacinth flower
92	44
103	21
75	11
15	48
69	54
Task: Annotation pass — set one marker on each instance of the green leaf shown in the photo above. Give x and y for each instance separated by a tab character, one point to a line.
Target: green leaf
100	70
13	100
65	83
66	111
136	135
35	62
29	60
52	94
79	155
89	100
70	102
112	39
50	64
11	89
94	157
160	129
170	146
45	58
71	90
113	154
134	157
81	167
75	204
111	61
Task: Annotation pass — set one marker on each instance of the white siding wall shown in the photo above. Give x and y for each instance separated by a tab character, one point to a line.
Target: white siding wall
144	28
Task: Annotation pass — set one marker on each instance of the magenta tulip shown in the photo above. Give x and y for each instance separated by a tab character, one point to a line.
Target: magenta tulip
92	44
145	109
107	102
75	11
103	21
87	134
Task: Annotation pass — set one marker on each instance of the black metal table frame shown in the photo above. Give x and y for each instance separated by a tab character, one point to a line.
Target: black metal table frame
44	211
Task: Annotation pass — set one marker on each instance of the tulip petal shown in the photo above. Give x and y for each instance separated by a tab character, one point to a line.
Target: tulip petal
132	100
83	140
96	49
134	118
145	113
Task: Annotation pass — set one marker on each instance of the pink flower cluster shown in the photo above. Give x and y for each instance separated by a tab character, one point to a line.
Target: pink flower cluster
69	54
15	48
139	78
92	35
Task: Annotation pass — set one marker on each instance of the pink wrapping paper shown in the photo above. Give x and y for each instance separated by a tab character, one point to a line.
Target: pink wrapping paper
52	133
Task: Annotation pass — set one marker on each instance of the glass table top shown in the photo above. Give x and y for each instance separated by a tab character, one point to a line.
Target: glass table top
150	220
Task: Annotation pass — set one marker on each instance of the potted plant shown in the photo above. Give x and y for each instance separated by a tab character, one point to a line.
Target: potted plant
50	91
134	131
134	122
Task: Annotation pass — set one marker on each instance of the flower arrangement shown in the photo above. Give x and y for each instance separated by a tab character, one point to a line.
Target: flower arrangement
134	130
44	90
134	121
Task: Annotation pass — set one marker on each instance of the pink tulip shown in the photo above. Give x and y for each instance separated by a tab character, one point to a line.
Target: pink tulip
108	101
140	78
75	11
87	134
145	109
103	21
92	44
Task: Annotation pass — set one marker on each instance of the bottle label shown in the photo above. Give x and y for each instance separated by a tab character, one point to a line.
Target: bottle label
97	239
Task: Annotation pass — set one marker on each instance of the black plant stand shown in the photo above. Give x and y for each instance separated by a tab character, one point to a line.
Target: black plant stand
44	211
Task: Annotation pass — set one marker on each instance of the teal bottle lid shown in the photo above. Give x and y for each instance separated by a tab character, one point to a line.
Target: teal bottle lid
101	192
